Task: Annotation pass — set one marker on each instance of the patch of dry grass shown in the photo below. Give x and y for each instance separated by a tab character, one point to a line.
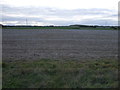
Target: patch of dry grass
60	74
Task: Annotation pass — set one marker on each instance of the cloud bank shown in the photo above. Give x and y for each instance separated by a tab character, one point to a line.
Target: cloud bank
12	15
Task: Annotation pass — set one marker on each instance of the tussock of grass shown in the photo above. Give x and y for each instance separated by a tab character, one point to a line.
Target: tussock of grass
60	74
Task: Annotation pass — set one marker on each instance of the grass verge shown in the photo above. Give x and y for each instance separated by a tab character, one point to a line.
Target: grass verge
60	74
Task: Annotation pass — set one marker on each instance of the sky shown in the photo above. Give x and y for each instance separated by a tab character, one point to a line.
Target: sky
59	12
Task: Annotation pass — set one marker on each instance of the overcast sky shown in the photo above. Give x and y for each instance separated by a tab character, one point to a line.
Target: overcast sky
59	12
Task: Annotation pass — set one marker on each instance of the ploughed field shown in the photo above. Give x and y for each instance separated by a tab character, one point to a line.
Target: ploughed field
34	44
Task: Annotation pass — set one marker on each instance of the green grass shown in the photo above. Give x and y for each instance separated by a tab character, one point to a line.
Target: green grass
60	74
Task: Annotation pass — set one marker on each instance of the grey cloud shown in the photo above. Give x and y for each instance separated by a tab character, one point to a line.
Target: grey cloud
62	13
9	18
86	22
52	11
100	22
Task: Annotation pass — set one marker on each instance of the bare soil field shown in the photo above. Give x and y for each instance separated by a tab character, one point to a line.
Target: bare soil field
34	44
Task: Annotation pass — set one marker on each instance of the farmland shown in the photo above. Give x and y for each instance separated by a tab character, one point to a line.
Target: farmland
59	44
59	55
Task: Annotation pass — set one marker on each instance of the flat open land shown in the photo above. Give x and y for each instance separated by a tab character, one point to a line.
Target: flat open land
57	58
34	44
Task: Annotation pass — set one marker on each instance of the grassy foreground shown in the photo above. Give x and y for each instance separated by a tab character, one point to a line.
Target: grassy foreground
60	74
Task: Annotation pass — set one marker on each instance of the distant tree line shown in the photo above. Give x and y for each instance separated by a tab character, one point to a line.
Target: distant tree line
70	26
96	26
